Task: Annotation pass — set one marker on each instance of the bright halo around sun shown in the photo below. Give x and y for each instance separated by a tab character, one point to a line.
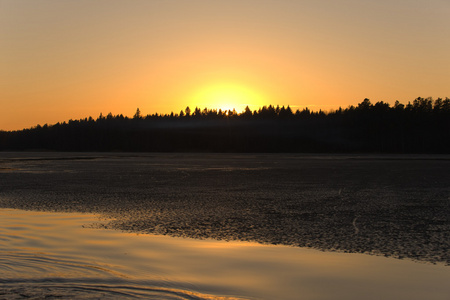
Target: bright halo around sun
226	96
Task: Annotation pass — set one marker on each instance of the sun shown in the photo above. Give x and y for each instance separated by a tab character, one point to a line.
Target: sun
227	96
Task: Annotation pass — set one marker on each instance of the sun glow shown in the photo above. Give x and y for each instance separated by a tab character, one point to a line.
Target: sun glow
226	96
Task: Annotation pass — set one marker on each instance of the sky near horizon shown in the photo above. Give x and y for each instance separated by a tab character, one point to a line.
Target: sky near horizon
72	59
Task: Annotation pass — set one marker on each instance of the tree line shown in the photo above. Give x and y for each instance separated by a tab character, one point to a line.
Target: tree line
421	126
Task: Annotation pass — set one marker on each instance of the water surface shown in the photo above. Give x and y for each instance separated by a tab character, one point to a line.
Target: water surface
61	255
389	205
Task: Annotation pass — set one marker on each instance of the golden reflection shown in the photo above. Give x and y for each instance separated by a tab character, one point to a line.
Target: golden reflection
41	245
218	245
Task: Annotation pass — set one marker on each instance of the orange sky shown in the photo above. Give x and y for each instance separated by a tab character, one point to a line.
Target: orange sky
62	60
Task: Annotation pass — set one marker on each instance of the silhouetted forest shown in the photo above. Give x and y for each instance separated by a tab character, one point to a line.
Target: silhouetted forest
422	126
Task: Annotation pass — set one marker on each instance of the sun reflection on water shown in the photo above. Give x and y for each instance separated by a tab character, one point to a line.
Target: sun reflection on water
56	250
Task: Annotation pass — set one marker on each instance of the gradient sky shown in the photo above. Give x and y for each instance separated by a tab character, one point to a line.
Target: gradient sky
71	59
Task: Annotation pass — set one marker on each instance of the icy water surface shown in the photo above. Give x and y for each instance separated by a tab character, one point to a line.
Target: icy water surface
60	255
396	206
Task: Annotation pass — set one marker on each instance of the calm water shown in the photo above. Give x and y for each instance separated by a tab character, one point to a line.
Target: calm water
59	255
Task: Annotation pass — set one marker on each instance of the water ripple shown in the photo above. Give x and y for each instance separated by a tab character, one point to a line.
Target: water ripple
68	278
24	264
50	288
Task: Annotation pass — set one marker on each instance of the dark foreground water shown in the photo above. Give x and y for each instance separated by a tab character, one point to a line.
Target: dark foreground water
387	206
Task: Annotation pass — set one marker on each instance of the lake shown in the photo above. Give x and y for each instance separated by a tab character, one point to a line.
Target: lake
205	226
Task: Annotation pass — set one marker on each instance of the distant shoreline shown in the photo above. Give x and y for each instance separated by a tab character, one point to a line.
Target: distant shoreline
422	127
71	155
